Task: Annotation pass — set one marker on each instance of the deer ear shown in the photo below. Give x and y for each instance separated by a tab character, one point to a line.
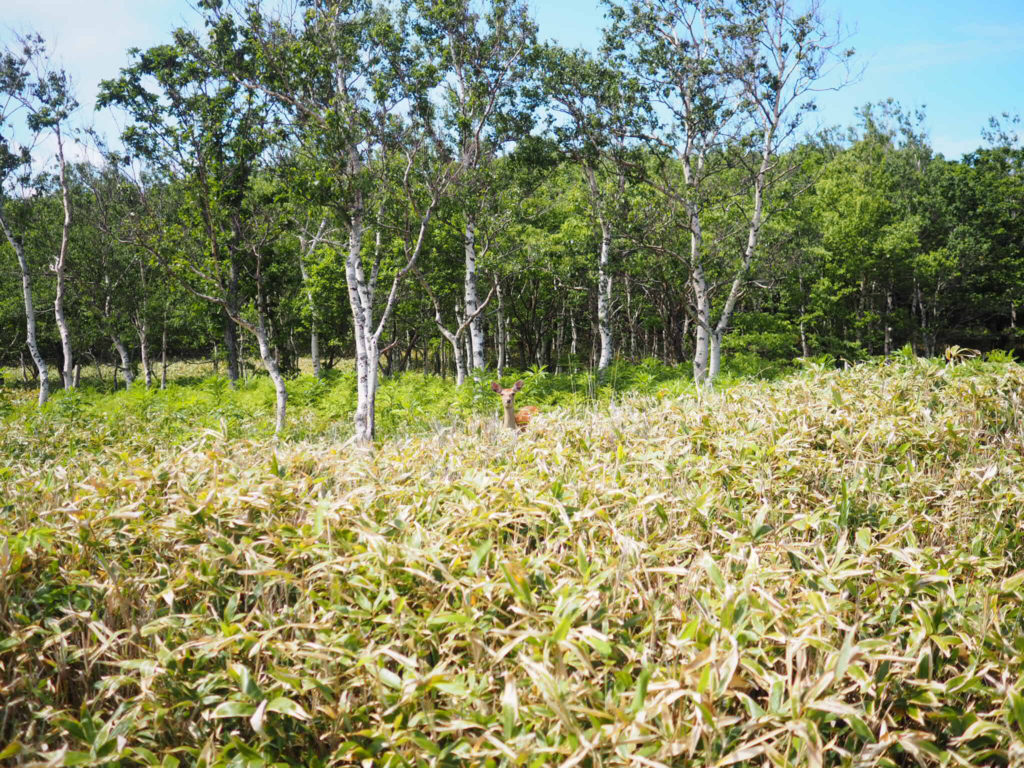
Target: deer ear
518	385
495	386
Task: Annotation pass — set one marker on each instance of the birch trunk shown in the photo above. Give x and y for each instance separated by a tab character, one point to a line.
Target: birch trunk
458	337
502	329
753	236
30	311
887	343
362	327
604	297
163	356
630	319
458	355
59	268
142	328
476	324
126	362
702	310
559	338
270	363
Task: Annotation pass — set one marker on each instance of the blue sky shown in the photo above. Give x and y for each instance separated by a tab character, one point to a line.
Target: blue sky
963	62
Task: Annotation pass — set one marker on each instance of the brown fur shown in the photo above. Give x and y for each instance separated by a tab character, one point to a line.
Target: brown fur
512	417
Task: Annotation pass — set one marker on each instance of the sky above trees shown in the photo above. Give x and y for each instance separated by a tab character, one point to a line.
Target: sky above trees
962	66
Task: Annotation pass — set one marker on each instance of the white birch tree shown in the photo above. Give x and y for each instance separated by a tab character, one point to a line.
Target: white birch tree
727	79
30	84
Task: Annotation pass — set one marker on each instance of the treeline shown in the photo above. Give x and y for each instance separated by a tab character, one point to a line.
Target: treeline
425	185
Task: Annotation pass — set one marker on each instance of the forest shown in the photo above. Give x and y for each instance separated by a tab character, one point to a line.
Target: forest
426	186
760	505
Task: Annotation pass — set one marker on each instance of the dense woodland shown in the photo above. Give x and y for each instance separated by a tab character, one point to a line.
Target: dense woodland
357	214
426	185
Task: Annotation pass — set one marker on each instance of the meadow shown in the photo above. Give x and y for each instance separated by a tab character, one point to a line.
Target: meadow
817	568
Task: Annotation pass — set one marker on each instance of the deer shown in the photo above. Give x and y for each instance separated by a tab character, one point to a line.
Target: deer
514	418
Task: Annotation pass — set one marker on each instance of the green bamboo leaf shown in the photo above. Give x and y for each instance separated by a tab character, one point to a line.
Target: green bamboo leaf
713	572
640	692
562	630
389	678
1017	707
1013	583
478	555
285	706
233	709
77	758
598	643
456	686
444	619
11	750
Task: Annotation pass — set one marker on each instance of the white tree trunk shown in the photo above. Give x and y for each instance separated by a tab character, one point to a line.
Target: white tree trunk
126	362
270	363
604	297
476	325
702	310
367	355
367	360
59	268
163	356
30	312
459	357
147	366
502	330
753	235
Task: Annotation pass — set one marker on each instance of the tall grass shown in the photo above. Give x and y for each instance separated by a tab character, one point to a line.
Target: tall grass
819	570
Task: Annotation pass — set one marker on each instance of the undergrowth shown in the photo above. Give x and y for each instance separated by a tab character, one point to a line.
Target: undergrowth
823	569
408	403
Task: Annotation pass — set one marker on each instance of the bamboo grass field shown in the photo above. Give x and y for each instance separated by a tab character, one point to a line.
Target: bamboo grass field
819	569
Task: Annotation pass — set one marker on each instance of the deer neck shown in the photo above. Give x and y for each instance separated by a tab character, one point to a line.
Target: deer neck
510	416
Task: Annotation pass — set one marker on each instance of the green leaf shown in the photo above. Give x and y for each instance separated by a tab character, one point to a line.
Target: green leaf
713	572
860	728
389	678
233	709
640	692
478	556
11	750
77	758
1012	583
562	630
285	706
444	619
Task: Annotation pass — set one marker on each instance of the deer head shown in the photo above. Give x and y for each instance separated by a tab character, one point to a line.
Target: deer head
508	397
